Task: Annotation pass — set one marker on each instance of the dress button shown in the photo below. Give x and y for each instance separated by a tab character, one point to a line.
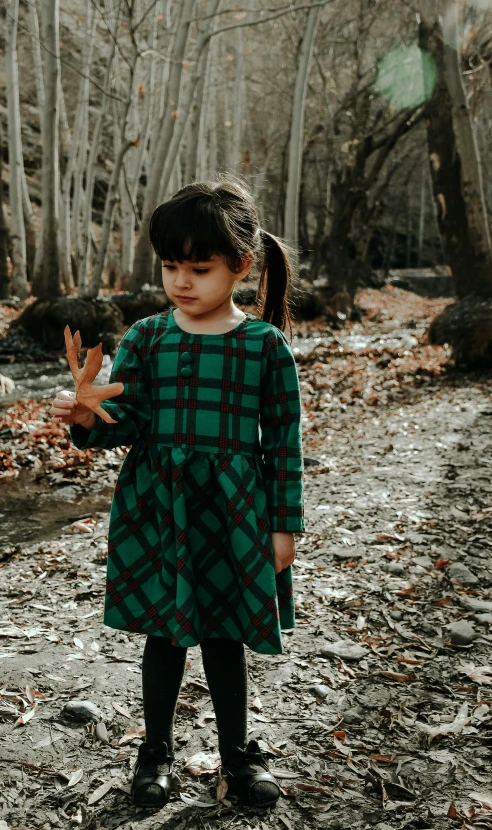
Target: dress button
186	371
186	357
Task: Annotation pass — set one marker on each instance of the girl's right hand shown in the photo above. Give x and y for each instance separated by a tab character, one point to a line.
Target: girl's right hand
67	410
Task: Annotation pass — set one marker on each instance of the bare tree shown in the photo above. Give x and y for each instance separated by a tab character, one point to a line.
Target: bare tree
4	234
143	251
47	282
291	219
16	166
453	155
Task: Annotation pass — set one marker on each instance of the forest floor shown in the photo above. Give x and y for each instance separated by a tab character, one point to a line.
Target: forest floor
378	713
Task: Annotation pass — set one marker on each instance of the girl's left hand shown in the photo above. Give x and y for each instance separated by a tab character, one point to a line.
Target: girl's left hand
284	547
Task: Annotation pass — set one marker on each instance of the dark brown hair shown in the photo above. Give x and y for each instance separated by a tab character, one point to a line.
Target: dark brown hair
220	217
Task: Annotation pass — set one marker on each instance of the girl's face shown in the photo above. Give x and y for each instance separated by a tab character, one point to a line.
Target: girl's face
200	287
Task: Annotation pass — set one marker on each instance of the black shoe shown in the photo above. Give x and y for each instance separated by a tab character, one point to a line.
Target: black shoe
247	772
153	776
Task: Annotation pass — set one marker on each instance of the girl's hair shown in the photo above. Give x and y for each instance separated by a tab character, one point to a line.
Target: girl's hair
220	217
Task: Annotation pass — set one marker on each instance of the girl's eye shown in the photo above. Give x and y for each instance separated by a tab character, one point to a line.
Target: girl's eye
200	270
169	267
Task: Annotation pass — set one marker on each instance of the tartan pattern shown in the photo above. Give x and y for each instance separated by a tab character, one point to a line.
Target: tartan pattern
215	466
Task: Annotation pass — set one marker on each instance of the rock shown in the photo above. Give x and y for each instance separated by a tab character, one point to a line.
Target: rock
320	690
311	462
396	615
462	633
460	572
346	649
483	619
346	555
102	733
82	710
473	604
394	568
353	715
376	699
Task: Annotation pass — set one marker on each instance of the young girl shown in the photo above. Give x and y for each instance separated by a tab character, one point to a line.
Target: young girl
201	530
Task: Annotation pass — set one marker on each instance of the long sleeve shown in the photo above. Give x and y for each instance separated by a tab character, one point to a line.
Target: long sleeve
131	409
281	435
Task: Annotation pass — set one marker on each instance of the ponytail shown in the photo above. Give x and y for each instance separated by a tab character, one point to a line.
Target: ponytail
277	274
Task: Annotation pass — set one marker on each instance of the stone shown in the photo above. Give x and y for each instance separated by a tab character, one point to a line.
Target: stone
474	604
376	699
483	619
346	555
346	649
462	633
81	710
102	733
463	574
353	715
396	615
320	690
311	462
394	568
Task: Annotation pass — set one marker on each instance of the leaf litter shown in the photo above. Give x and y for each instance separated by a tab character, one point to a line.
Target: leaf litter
395	730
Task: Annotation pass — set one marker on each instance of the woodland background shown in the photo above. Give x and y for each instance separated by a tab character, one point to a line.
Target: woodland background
363	128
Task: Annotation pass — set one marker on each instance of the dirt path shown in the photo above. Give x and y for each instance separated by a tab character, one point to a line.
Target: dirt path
387	737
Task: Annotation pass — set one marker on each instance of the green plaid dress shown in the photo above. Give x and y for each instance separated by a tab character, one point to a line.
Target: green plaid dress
215	465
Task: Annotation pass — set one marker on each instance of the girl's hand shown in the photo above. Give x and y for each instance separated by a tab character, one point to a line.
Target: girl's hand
67	410
284	547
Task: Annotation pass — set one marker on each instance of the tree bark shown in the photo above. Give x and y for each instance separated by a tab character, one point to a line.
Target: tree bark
143	251
48	285
18	232
291	219
454	159
4	234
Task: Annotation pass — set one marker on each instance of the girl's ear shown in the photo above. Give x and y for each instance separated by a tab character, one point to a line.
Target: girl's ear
246	267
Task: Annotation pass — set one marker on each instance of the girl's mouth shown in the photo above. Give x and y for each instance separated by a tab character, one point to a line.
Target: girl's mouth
185	299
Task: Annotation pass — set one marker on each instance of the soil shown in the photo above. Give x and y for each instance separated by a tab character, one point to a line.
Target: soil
397	492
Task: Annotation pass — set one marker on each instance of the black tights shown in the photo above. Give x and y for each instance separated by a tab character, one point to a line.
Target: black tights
224	662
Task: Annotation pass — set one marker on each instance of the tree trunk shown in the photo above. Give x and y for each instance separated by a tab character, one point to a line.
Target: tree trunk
143	251
48	283
4	234
187	101
38	70
18	233
291	220
454	161
133	165
195	131
81	216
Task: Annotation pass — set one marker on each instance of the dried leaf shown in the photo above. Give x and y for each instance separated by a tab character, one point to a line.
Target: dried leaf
400	678
204	718
221	787
203	763
190	801
479	674
121	709
454	727
102	790
90	396
25	718
75	777
133	733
